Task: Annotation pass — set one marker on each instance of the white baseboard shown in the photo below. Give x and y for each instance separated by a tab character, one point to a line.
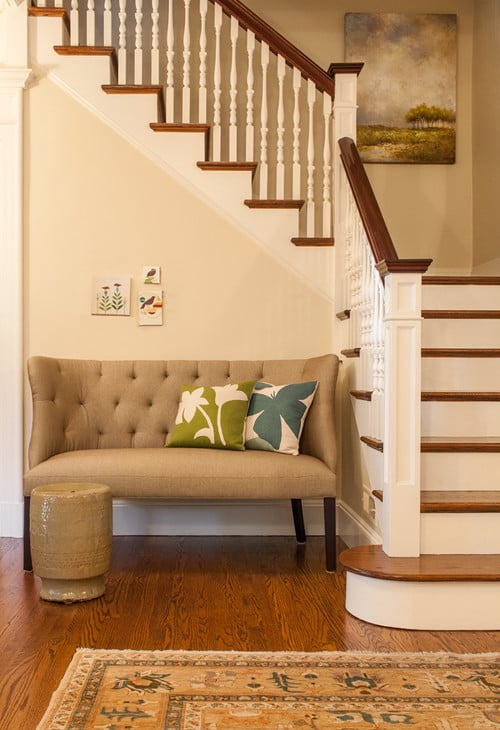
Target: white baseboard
11	519
148	517
353	529
139	517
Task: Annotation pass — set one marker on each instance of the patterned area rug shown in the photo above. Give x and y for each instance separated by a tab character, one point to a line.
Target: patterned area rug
146	690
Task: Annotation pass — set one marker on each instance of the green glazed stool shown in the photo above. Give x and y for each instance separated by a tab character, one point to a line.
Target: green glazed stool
71	527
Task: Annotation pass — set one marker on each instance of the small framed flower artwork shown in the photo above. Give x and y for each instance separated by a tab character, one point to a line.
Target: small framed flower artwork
111	296
150	307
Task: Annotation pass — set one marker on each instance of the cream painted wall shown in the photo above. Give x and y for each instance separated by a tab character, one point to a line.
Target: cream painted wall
96	207
428	208
486	140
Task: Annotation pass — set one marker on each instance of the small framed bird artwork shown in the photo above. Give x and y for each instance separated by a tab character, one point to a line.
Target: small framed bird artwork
150	307
151	274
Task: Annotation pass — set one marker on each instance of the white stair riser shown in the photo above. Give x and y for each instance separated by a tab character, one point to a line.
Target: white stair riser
457	373
461	333
461	471
443	418
42	38
467	296
428	605
460	533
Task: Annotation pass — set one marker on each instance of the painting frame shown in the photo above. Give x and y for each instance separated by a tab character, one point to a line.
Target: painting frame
407	88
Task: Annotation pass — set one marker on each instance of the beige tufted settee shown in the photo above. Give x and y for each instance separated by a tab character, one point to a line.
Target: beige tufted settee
107	422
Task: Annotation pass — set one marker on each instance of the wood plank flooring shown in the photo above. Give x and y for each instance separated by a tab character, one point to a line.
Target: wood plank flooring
242	593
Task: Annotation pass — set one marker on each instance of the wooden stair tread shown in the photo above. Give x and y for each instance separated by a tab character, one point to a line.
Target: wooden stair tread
450	444
227	166
460	501
371	561
461	314
461	280
437	351
169	127
455	395
353	352
452	500
85	50
265	204
372	443
451	396
362	394
132	88
312	241
36	12
460	352
461	444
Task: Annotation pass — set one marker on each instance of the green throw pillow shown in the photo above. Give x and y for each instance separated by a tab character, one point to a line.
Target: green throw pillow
276	416
212	417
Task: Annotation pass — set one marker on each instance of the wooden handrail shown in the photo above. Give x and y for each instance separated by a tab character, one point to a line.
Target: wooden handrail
382	246
278	44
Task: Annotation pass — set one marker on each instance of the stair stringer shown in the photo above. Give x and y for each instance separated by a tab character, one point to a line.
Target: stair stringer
177	153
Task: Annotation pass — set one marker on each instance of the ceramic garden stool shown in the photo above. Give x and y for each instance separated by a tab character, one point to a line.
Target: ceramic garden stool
71	533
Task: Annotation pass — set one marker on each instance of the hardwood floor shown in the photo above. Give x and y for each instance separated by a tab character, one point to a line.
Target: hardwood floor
242	593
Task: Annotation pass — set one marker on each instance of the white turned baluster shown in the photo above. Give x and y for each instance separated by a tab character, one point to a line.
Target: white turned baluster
202	98
169	92
280	143
90	23
107	21
327	167
58	4
122	43
138	43
249	148
311	98
155	43
233	80
216	148
297	78
264	60
74	36
186	55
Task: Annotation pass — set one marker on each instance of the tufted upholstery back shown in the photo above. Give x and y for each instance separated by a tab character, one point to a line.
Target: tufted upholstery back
91	404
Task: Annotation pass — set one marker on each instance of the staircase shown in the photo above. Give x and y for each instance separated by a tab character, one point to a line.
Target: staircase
420	352
452	579
244	120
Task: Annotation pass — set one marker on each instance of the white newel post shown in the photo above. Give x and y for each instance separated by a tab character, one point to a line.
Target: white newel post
401	504
344	115
13	77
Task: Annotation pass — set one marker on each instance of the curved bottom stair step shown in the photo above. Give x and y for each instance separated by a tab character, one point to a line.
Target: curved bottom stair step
372	562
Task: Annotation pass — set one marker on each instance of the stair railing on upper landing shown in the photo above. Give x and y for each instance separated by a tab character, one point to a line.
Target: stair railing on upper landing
382	303
222	65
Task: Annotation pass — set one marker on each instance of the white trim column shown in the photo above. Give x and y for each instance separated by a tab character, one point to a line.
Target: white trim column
401	504
13	78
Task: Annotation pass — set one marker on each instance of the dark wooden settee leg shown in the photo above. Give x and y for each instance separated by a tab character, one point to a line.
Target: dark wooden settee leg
298	520
330	534
28	566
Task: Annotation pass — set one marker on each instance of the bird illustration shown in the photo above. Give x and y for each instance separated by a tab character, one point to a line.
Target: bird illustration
151	272
147	302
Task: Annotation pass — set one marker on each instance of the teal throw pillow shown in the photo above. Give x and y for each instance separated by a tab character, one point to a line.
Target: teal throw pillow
212	417
276	416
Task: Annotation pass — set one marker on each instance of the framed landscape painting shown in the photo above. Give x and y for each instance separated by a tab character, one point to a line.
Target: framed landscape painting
407	88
